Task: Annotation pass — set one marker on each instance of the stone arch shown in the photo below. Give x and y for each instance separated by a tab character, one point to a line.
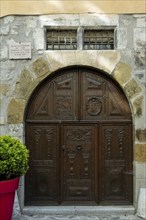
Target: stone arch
107	61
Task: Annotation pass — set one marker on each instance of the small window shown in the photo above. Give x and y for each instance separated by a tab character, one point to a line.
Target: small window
79	38
61	39
98	39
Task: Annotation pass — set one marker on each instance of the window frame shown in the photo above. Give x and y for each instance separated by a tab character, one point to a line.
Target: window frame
80	35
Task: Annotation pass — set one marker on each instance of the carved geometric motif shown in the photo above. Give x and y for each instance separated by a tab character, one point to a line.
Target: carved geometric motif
121	141
86	165
94	80
42	108
108	142
71	167
37	135
79	134
65	84
117	103
114	110
64	106
50	135
93	84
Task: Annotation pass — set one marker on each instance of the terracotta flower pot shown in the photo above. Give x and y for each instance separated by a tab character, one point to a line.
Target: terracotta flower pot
7	195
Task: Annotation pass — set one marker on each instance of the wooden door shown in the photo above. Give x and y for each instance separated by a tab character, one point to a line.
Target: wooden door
42	186
115	166
79	173
79	132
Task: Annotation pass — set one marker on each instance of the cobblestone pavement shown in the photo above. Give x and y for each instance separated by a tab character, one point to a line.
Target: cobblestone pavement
74	217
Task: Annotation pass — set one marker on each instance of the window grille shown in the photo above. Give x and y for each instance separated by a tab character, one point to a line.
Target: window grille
61	40
86	39
98	39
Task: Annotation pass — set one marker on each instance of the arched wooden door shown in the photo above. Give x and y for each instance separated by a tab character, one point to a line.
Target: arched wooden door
79	132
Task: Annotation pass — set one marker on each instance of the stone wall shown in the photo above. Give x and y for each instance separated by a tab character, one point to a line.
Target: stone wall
126	64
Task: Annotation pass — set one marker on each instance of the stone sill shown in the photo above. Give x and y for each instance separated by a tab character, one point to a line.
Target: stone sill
79	210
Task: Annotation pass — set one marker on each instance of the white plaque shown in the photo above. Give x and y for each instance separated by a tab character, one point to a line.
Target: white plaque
20	50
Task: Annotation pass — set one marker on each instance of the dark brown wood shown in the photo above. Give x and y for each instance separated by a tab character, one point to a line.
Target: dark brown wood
115	154
42	181
78	162
79	132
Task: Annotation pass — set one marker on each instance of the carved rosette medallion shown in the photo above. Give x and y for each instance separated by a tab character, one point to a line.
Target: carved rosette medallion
94	106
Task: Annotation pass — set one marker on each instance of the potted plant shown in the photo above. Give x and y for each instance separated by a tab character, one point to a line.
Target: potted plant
13	164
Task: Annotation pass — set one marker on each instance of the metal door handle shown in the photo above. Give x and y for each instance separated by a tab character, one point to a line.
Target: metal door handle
63	147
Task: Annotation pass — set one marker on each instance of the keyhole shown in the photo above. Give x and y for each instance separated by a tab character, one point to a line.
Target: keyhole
79	147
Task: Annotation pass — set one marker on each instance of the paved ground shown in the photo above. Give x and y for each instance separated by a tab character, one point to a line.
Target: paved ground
74	217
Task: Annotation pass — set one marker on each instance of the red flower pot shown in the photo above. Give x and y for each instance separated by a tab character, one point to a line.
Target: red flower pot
7	195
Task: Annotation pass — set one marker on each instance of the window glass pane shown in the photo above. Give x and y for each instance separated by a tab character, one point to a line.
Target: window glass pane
98	39
61	39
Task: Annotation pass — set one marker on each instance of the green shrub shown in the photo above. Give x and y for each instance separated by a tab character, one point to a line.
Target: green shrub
13	158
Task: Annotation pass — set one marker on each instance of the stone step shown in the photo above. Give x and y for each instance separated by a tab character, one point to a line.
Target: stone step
79	210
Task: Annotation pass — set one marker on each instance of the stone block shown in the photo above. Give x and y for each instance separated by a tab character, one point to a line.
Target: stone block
141	21
132	88
141	210
4	88
140	76
54	59
139	183
125	20
4	30
138	106
60	20
140	153
121	38
15	111
50	210
9	19
2	120
140	48
4	52
104	60
139	38
107	60
38	38
16	209
96	19
40	67
140	59
140	170
141	135
16	130
24	83
8	65
122	73
31	22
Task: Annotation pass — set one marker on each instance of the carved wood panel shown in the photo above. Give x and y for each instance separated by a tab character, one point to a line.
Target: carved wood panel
116	185
78	163
56	99
101	100
42	184
79	94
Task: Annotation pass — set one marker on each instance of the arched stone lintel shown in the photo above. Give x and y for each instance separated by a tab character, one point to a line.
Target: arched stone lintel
51	61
